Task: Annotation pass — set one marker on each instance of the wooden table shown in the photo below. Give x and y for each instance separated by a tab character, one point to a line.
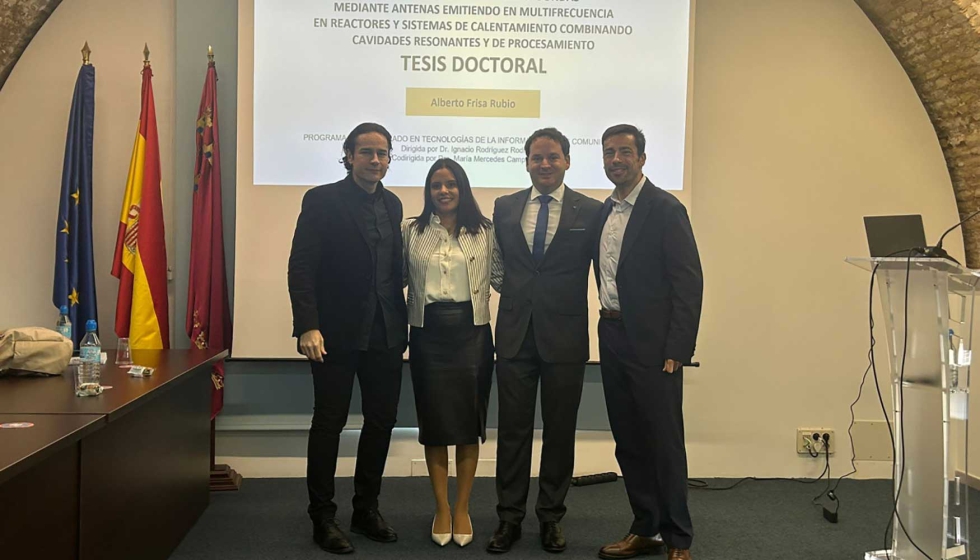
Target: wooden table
39	487
144	475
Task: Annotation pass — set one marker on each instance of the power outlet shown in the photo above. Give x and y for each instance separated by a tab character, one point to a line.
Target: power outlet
811	440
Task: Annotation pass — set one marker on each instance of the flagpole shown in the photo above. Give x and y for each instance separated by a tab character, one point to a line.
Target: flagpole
223	477
74	267
140	259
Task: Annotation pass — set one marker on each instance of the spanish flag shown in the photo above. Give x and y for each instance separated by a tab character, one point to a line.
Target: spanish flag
140	262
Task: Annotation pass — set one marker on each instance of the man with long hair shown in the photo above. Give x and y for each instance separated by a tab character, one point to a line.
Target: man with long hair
345	286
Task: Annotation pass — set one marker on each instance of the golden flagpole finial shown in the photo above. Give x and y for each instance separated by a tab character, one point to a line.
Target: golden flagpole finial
146	55
210	54
86	52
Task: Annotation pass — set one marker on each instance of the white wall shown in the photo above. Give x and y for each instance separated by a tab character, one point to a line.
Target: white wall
803	122
34	106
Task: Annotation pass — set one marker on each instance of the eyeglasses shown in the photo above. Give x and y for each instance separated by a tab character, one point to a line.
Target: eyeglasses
368	153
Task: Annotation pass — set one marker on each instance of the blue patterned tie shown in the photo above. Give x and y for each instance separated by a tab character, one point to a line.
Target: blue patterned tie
540	229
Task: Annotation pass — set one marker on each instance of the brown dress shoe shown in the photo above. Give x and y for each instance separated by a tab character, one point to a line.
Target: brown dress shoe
631	546
679	554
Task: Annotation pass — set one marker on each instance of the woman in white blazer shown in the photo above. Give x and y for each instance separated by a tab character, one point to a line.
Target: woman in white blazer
448	254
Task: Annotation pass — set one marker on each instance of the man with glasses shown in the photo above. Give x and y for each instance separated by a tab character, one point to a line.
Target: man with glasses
345	286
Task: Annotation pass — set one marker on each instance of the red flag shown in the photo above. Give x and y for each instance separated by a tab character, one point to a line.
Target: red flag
208	317
140	262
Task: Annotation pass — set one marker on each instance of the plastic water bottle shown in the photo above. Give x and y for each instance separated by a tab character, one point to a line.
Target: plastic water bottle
64	323
90	371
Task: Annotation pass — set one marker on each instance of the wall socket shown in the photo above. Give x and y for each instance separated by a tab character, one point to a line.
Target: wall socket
814	437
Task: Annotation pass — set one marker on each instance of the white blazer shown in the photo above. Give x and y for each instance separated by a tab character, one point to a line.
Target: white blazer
478	251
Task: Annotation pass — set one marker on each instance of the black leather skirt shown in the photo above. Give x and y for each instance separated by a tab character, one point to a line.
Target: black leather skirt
452	367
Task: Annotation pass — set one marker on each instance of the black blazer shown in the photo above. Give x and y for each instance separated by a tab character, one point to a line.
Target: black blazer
659	277
330	268
555	293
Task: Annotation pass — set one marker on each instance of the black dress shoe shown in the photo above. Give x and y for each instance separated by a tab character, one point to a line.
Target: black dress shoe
330	538
504	537
552	538
373	526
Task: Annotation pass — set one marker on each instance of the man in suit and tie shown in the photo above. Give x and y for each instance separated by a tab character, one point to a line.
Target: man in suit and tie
650	288
345	285
545	238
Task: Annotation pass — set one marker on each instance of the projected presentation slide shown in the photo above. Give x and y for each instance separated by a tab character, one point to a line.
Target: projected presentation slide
469	80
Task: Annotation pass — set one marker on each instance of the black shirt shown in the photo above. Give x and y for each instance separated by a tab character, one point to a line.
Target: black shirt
379	326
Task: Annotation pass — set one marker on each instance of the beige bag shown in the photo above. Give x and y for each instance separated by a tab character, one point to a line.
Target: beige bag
34	349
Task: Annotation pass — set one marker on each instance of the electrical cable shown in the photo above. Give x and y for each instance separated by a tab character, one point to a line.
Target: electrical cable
698	484
894	515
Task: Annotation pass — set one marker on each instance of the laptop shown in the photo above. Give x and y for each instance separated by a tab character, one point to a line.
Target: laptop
893	236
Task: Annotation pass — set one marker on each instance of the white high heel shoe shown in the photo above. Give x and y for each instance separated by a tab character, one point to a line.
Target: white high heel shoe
463	540
441	539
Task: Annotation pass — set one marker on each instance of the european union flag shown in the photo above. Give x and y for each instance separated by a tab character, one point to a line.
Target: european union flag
74	265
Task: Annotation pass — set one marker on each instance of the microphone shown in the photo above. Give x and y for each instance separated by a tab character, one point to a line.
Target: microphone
938	251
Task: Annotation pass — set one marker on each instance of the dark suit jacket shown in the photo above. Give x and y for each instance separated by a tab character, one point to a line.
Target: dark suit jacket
331	271
659	278
555	293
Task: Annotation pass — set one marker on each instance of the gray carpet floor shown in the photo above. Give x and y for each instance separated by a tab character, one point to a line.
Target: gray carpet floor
267	519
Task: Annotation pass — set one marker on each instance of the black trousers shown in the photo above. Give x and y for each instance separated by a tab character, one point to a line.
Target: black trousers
561	392
379	374
647	420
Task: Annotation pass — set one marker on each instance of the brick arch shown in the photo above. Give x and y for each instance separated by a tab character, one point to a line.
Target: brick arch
938	44
20	20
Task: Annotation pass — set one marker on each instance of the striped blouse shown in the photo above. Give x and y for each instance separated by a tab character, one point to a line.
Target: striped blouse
478	255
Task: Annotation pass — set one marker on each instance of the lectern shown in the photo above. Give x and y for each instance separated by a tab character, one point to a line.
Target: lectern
927	305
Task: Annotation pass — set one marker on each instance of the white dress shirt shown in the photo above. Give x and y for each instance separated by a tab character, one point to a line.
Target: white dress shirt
446	278
611	245
530	218
470	263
